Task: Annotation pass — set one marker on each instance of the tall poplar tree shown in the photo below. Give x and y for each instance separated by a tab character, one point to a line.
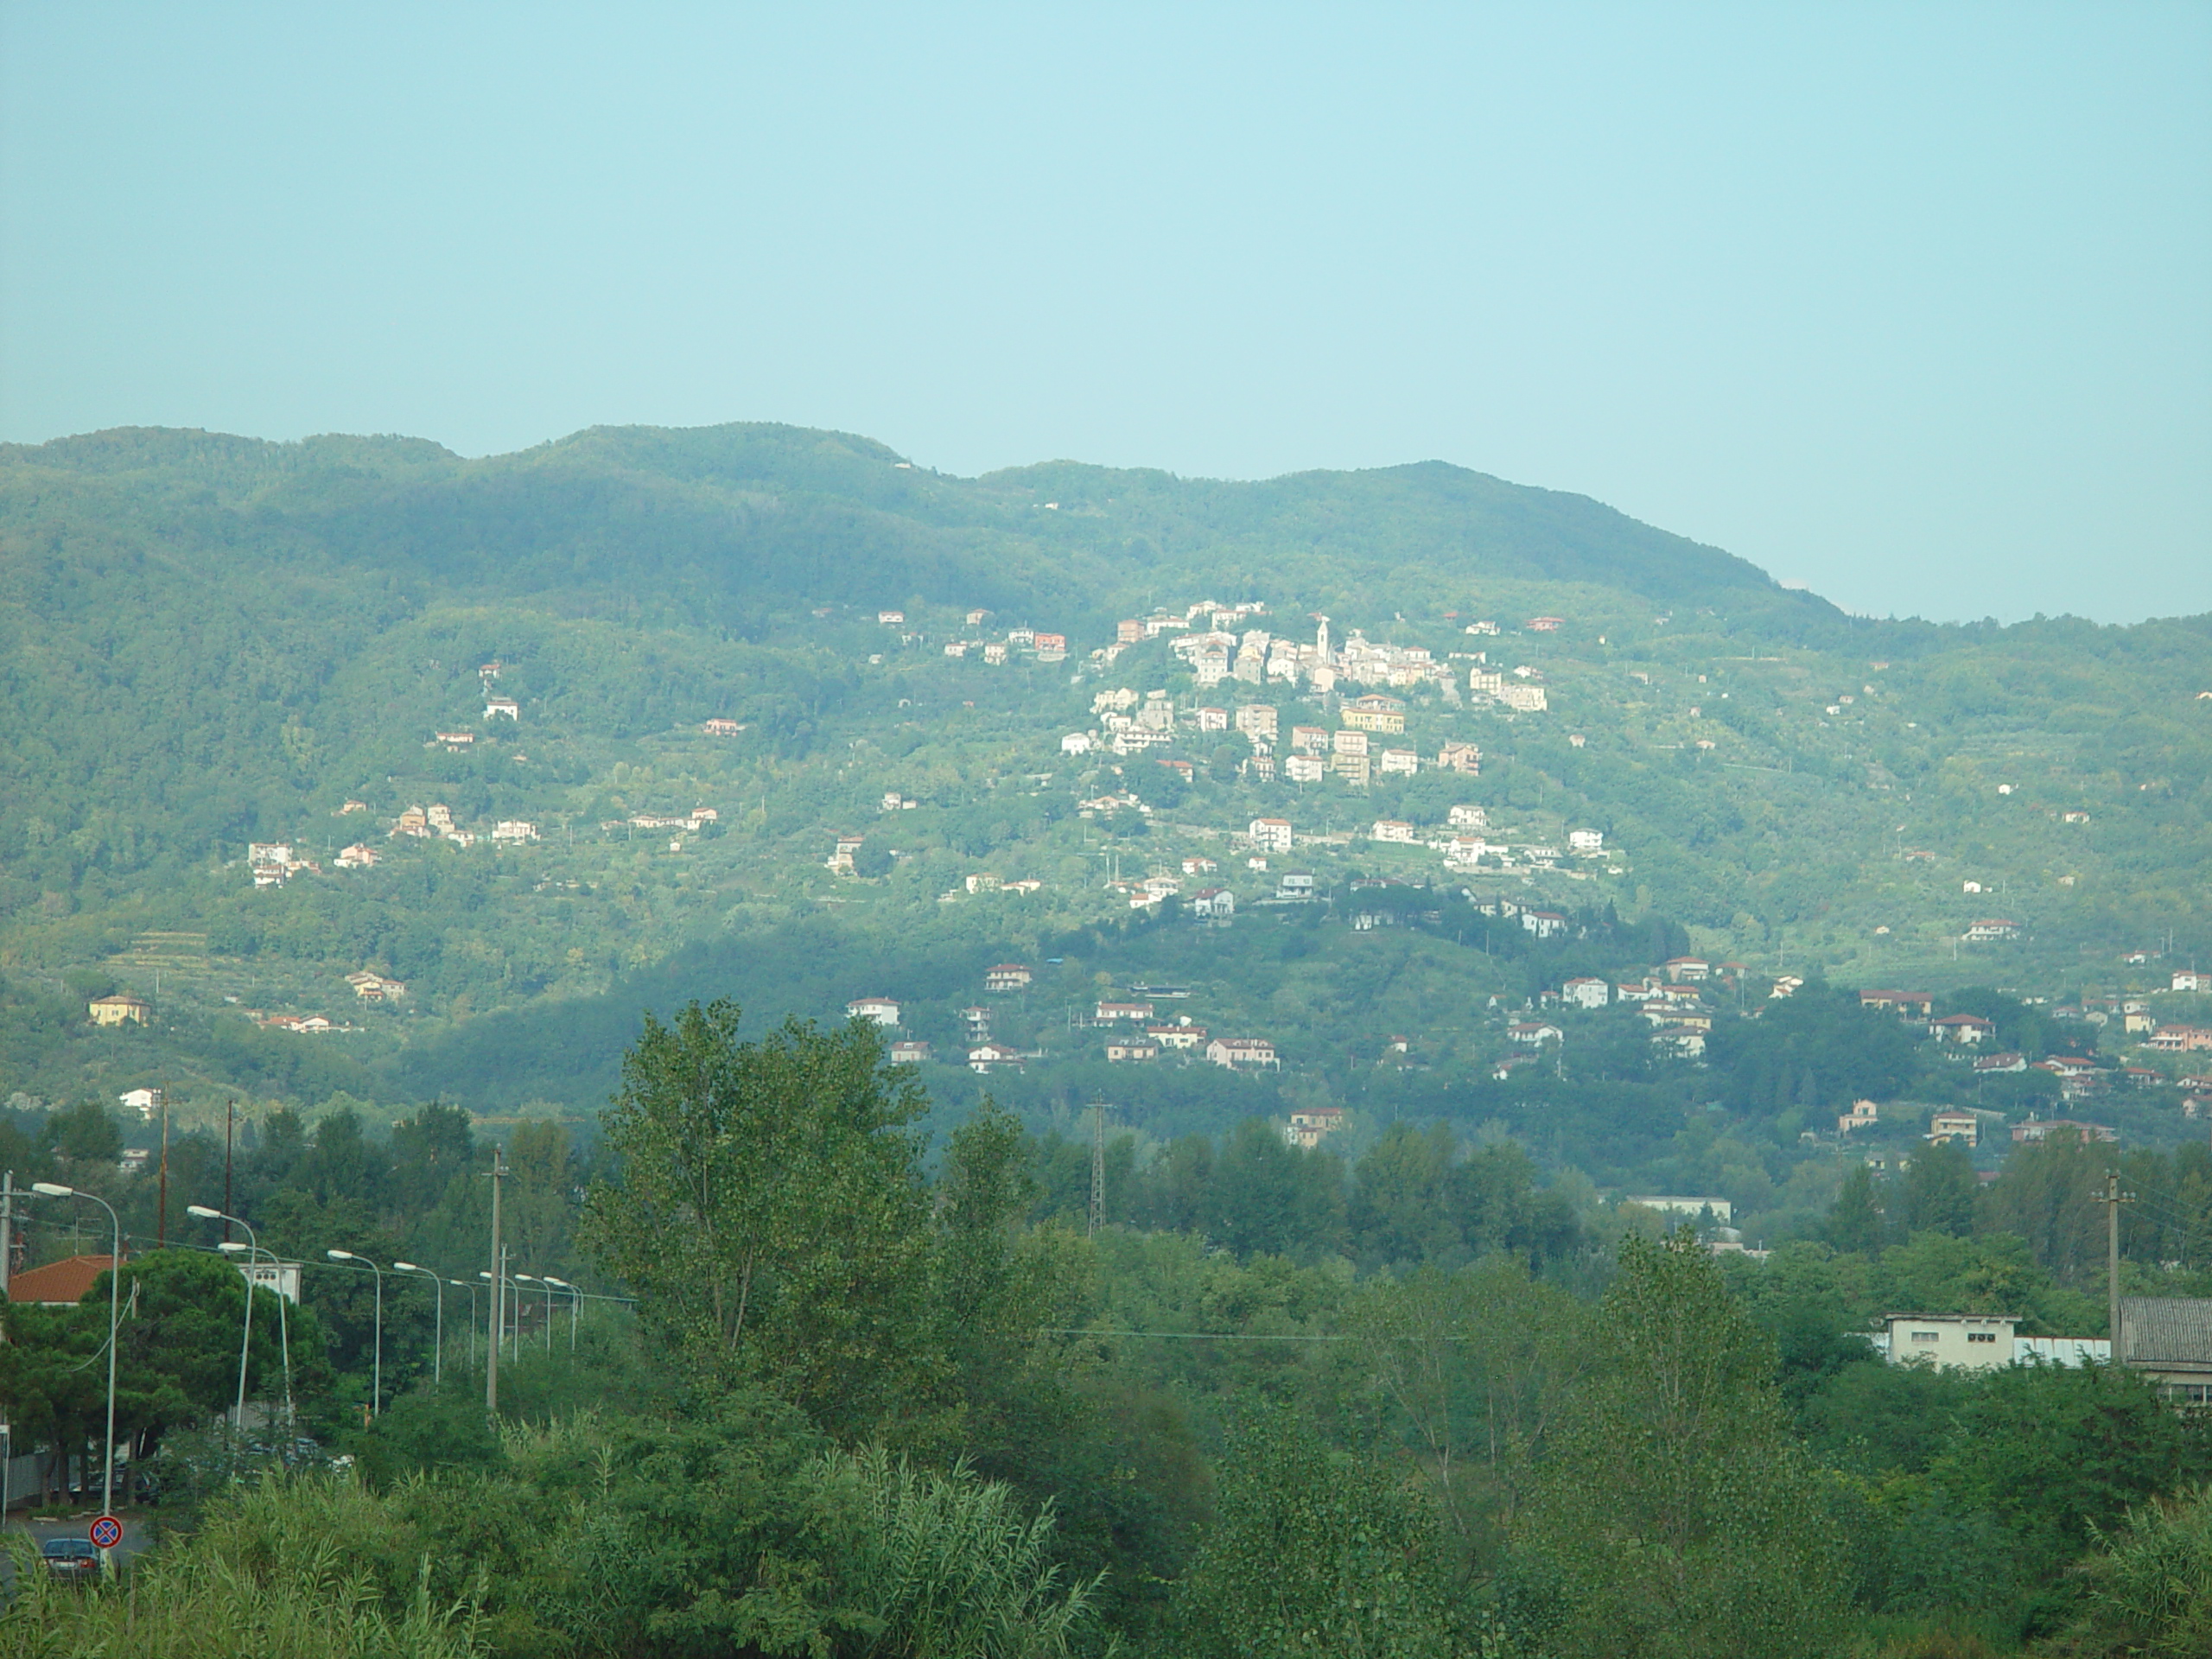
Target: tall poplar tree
1675	1515
768	1211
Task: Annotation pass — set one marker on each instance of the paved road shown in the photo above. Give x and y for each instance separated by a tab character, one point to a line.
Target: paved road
138	1533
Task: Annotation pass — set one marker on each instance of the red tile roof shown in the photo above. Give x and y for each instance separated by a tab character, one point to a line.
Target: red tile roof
62	1283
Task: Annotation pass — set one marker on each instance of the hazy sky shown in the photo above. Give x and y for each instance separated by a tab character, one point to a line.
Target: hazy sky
1911	303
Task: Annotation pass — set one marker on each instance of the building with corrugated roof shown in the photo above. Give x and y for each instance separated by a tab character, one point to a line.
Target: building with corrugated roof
2168	1340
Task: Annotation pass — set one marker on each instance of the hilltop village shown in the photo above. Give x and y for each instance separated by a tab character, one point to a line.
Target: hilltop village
1312	719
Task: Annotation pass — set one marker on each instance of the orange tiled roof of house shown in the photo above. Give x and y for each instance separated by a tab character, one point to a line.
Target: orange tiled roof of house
62	1283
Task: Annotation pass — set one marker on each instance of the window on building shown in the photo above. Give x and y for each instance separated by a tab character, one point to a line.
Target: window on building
1927	1336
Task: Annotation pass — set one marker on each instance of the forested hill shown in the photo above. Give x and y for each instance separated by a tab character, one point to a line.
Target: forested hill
723	521
557	737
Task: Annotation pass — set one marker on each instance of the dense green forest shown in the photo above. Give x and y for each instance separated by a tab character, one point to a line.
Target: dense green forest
1427	1401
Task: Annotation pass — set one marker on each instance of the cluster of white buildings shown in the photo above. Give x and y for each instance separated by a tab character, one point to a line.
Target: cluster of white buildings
1216	642
1463	843
272	863
1358	751
1135	1033
996	650
1212	639
1667	999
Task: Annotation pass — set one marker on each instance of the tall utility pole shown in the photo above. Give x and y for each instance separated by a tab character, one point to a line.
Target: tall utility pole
7	1236
230	1112
162	1225
499	1283
2112	1199
1098	1165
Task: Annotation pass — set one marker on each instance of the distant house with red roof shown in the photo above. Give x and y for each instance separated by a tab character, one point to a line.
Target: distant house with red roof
59	1284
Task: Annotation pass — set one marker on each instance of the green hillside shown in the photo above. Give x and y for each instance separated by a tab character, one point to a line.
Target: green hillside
211	642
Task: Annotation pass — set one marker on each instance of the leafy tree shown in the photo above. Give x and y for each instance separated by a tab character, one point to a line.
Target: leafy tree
1855	1221
1312	1551
1266	1196
2050	1452
768	1214
2149	1588
898	1560
1472	1368
85	1134
178	1354
1816	1048
1874	1418
995	1281
1401	1208
1940	1190
2045	1196
176	1357
1675	1514
538	1211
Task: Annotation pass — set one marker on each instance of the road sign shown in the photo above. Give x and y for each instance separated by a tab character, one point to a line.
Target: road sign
107	1532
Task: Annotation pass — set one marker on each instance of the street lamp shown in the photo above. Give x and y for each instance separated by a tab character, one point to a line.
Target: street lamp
532	1278
471	1289
230	1246
576	1306
438	1354
498	1305
376	1385
53	1190
246	1334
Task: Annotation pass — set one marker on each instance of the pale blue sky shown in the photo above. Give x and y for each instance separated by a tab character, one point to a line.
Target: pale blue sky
1911	303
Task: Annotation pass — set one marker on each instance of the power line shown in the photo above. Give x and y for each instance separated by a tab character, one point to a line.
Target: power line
1241	1336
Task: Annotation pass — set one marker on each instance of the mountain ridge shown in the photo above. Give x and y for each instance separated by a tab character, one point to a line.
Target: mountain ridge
720	483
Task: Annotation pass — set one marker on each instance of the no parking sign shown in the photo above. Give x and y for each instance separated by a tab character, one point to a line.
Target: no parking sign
107	1532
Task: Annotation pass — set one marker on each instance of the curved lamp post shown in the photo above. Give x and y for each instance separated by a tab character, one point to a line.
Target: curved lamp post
576	1306
438	1354
230	1246
54	1190
471	1289
245	1336
498	1306
534	1278
376	1387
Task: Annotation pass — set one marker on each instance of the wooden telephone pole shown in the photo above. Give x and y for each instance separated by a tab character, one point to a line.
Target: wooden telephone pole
2111	1199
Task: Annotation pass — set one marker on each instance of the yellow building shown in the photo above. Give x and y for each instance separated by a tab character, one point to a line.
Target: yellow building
117	1009
1375	713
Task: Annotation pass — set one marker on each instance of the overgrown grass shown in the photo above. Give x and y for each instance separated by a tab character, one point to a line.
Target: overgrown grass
266	1577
